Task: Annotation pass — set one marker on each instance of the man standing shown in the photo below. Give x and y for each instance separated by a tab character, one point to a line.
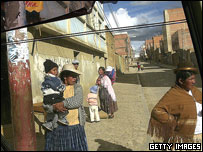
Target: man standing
76	64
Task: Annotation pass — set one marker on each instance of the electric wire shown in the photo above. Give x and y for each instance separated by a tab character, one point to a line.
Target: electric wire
107	21
112	15
115	16
126	28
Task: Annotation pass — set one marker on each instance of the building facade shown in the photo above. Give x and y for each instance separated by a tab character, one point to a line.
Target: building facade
123	47
89	49
177	40
175	44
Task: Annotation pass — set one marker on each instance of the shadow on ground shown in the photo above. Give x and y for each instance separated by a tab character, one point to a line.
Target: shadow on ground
127	78
166	78
108	146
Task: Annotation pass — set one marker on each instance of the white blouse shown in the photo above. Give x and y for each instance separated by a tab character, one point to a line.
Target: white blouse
198	128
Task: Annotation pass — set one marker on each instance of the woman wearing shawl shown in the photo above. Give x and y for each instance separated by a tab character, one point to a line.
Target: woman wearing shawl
106	93
177	117
71	137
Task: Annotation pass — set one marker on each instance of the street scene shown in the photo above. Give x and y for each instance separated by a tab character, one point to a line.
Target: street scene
100	75
137	93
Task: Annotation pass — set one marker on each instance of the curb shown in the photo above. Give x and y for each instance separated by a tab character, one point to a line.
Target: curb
146	109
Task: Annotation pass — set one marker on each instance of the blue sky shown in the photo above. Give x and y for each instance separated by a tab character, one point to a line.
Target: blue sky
130	13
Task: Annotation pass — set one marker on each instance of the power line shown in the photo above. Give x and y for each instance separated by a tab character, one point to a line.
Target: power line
107	21
99	31
113	15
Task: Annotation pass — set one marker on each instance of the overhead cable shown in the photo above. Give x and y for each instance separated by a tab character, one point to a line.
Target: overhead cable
126	28
112	13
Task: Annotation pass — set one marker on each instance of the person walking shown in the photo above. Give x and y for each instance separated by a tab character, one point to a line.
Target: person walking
142	67
138	66
76	64
177	117
93	104
107	95
71	137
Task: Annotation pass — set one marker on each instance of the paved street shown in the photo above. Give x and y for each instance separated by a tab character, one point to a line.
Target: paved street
137	92
156	81
127	131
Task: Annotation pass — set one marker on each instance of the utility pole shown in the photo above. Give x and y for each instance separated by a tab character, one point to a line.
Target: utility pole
20	87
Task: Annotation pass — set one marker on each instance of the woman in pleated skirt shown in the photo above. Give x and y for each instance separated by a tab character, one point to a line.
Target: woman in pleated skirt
66	138
69	137
107	95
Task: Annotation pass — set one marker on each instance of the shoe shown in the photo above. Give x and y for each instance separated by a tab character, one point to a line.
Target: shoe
111	116
97	121
63	121
47	126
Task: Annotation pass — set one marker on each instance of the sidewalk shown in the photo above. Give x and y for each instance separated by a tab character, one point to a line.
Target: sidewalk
127	130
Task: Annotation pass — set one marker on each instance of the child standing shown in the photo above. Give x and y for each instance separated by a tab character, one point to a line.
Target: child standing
138	66
93	104
142	67
52	89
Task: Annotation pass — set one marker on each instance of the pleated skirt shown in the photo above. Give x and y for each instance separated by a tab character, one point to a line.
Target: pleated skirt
106	102
66	138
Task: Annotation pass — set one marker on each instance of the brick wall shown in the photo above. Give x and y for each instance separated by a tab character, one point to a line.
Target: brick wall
169	30
181	39
156	41
123	44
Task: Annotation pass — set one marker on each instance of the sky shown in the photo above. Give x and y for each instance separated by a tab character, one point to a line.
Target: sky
130	13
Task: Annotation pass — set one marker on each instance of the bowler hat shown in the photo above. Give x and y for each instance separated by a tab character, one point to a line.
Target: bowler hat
186	66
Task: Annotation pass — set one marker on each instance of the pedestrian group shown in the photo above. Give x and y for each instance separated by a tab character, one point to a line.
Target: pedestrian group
176	118
63	103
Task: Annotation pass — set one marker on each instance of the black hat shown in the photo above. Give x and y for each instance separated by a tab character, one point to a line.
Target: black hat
186	66
48	65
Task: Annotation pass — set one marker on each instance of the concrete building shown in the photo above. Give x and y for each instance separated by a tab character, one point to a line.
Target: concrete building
177	40
143	53
149	44
181	39
157	47
123	46
156	41
91	50
111	54
153	48
182	45
168	30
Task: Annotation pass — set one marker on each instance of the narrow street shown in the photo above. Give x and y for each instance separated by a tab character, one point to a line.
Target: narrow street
157	80
137	93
